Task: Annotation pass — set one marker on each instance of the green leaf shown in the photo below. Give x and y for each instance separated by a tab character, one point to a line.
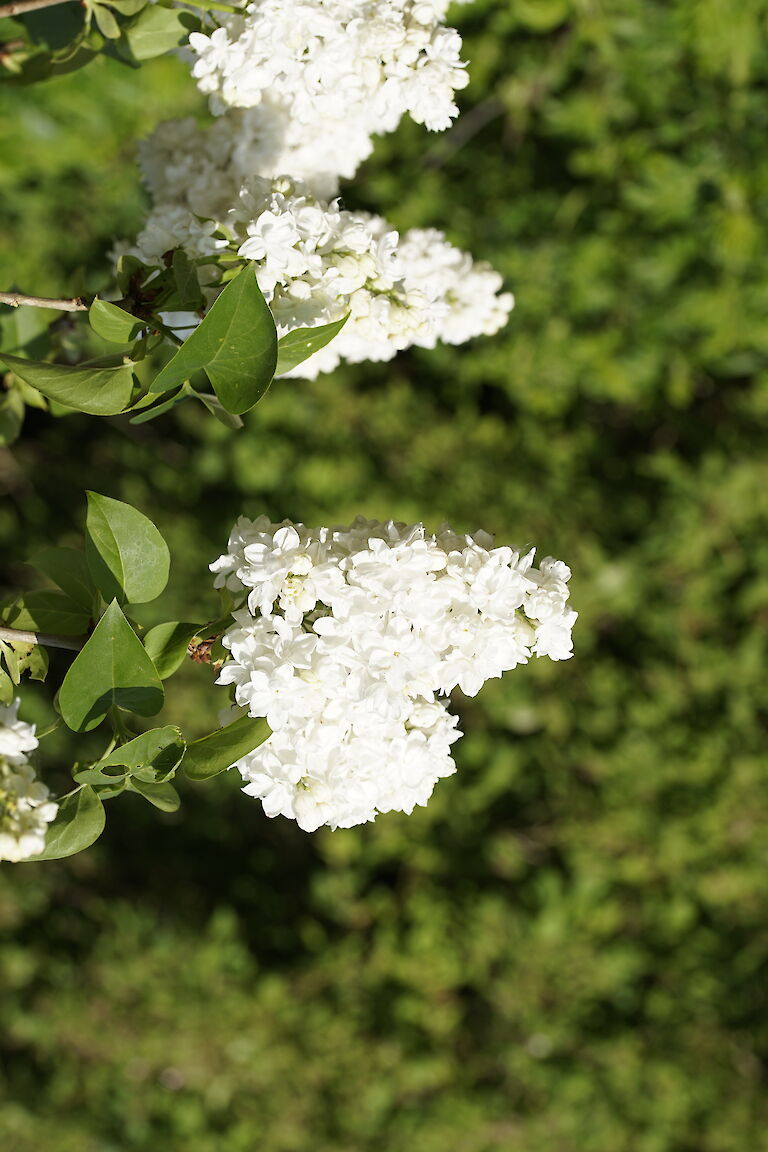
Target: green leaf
47	611
155	754
68	568
20	658
126	555
113	323
218	751
113	669
188	296
6	688
34	661
98	391
79	822
11	416
167	645
299	345
236	345
155	31
11	658
106	22
164	796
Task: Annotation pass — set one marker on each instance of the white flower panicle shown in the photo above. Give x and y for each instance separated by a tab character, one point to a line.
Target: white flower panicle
315	261
332	73
26	809
348	641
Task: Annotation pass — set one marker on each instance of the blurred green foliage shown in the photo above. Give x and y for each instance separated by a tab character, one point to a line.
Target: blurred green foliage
567	951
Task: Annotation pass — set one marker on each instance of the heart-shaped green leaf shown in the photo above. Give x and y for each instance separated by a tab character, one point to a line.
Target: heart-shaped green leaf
235	344
127	557
113	323
112	668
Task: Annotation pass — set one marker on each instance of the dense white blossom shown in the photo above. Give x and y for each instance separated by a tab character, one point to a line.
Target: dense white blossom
315	261
348	640
325	75
26	809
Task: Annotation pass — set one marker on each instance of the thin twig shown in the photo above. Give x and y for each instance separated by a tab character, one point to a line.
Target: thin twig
21	636
16	7
68	304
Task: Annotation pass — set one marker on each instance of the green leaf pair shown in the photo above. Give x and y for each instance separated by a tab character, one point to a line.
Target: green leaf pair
127	561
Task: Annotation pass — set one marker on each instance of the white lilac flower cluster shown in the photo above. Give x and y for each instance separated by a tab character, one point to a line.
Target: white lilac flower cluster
348	640
315	261
26	809
329	74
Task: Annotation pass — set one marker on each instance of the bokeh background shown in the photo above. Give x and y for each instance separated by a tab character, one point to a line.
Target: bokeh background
567	950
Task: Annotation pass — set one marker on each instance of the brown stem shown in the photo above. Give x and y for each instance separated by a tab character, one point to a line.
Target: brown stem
70	304
21	636
17	7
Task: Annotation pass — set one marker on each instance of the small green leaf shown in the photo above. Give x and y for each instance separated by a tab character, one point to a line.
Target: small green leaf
106	22
20	658
11	658
98	391
112	322
235	344
164	796
112	668
218	751
34	661
47	611
126	555
167	645
79	822
156	754
68	568
155	31
299	345
6	688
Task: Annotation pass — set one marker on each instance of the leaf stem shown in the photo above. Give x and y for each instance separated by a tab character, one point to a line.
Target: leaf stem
22	636
68	304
